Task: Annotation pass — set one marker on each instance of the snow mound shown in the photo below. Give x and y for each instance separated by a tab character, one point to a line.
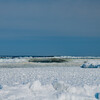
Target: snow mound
60	86
91	65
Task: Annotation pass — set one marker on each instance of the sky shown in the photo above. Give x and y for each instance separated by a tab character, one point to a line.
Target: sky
50	27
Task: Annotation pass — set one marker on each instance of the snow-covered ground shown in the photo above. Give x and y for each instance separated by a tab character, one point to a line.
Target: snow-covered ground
49	81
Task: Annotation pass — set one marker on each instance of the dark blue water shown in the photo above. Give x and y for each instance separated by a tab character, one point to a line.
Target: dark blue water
51	46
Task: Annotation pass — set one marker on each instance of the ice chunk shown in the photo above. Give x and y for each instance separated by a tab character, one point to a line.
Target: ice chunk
60	86
36	86
97	96
90	65
1	87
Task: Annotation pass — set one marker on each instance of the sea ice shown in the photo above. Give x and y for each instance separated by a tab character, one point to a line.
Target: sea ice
90	65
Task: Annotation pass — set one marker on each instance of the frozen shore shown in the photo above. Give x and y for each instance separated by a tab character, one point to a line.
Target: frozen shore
26	62
23	80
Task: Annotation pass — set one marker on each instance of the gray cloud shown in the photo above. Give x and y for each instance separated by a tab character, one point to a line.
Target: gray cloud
55	17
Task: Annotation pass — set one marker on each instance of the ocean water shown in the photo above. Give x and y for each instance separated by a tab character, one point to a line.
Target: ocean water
51	45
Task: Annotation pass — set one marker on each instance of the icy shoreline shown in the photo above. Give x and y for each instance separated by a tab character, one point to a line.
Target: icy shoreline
29	62
23	80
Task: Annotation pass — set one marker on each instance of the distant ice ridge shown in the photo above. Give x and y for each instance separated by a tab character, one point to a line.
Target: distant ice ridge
14	60
26	59
54	91
80	57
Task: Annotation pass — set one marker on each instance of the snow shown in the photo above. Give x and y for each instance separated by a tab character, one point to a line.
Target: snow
49	81
46	92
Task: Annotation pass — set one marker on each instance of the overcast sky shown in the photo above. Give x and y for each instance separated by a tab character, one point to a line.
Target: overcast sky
32	21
